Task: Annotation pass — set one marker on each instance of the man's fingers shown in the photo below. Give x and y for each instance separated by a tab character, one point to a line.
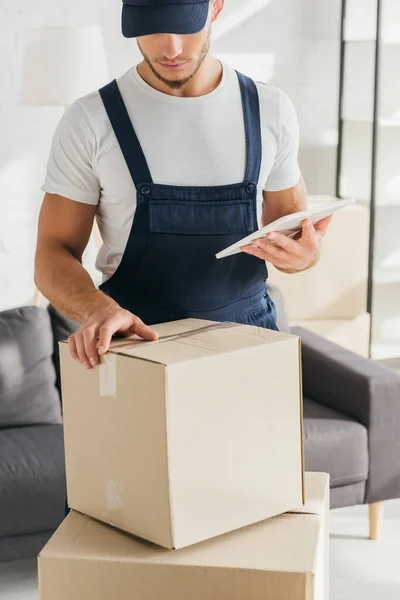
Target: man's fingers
270	250
283	241
80	348
308	234
72	347
116	324
106	332
144	331
322	225
307	228
269	255
89	335
253	251
94	337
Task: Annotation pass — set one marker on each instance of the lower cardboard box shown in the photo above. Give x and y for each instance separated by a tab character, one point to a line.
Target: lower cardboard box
282	558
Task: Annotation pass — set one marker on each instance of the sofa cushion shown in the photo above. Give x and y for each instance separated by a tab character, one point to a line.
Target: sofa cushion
62	328
28	395
334	444
32	479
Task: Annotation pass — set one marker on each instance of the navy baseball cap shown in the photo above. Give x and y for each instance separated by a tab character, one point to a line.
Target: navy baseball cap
146	17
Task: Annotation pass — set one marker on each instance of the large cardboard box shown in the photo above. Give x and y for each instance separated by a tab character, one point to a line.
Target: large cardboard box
336	287
188	437
352	334
283	558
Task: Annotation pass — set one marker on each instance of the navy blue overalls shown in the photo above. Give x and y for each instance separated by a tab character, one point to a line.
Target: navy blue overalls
168	270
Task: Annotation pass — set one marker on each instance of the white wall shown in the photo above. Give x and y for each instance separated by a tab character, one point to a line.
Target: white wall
317	93
300	38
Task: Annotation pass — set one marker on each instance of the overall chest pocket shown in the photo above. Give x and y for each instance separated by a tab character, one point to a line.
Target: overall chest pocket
200	218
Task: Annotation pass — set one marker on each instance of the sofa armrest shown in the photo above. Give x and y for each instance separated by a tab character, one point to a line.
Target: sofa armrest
364	390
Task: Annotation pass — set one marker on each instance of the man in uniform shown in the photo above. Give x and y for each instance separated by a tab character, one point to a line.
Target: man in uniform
177	158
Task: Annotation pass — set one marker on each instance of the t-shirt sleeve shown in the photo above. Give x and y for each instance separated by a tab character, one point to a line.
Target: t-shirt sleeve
285	172
69	168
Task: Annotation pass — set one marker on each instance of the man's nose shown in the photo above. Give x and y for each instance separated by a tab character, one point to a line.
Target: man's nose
171	45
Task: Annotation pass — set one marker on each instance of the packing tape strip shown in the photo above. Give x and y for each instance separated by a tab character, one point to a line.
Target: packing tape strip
108	375
175	336
113	495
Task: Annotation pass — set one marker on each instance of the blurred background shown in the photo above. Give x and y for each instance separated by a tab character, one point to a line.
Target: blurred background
338	61
291	43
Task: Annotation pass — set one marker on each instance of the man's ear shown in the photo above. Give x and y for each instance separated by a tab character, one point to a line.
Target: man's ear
216	7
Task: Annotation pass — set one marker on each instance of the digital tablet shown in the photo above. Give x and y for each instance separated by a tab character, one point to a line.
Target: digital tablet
288	225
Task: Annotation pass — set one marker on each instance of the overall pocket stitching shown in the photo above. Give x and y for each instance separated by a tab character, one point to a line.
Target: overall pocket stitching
155	226
217	203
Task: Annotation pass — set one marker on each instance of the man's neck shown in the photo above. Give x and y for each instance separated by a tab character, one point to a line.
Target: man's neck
205	80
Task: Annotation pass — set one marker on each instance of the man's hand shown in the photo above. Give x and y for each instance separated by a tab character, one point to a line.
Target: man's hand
94	335
292	255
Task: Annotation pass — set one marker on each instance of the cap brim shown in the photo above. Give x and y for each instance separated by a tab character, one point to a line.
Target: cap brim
148	20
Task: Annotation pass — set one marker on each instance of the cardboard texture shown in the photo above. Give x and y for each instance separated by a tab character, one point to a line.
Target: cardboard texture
189	437
283	558
336	287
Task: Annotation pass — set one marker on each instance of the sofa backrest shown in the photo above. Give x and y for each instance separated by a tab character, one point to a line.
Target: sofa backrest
28	392
62	328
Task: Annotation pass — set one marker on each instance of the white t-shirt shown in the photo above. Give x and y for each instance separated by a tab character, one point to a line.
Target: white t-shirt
196	141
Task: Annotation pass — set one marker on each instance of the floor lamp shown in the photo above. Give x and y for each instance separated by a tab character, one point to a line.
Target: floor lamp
61	64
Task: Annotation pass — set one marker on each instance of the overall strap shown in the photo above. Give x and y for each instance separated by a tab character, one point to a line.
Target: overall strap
251	112
125	133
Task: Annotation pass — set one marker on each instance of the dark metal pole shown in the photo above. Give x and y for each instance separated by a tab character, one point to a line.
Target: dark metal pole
375	135
341	93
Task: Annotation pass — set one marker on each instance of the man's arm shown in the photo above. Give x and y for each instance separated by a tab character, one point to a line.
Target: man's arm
285	193
64	230
63	233
289	255
284	202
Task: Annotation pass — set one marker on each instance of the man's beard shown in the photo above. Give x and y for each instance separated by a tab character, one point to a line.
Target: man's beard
178	83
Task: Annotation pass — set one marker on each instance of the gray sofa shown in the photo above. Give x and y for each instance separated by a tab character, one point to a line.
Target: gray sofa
351	423
351	408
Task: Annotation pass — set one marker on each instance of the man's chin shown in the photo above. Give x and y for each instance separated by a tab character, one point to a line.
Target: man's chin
177	77
174	74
